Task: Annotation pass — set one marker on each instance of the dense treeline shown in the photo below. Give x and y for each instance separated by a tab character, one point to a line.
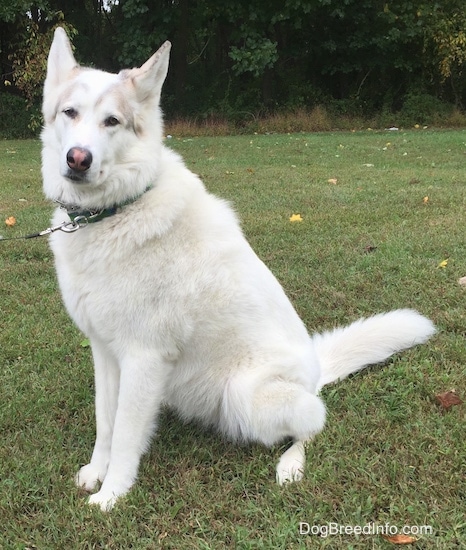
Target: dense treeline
249	57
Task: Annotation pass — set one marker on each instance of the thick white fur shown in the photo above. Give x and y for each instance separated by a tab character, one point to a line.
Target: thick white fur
177	306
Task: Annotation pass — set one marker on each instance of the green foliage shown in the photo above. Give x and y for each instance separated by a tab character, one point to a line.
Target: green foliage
30	58
15	117
246	58
419	108
12	9
447	38
141	30
257	54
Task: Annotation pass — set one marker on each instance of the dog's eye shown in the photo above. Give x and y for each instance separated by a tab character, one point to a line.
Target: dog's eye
111	121
70	112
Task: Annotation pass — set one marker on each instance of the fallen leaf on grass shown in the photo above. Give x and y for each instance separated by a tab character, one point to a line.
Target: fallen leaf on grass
448	399
462	281
400	539
333	181
11	221
296	218
443	264
425	200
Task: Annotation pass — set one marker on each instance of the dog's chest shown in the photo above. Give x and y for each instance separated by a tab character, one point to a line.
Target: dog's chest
109	286
81	280
97	281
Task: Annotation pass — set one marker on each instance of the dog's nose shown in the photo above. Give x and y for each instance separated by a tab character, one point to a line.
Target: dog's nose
79	159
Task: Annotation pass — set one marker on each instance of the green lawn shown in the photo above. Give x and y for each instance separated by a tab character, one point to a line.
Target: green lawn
369	241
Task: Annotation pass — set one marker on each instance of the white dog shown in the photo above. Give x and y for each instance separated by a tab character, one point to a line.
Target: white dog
177	306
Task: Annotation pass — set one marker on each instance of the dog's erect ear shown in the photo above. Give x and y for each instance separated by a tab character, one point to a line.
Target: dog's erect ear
148	79
60	61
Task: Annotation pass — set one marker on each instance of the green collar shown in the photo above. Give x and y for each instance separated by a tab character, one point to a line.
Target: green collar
95	215
90	216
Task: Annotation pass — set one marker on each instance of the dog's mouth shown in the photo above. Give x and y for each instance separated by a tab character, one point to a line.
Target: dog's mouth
84	178
76	177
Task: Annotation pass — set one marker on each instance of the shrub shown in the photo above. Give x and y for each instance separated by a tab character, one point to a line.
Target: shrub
421	108
16	120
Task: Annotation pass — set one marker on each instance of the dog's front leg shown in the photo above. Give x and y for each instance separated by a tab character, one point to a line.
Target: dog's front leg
107	382
141	392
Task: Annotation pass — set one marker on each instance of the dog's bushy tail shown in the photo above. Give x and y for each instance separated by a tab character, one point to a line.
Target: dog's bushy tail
343	351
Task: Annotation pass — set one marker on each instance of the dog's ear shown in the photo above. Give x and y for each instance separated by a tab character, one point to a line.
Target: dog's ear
60	62
149	78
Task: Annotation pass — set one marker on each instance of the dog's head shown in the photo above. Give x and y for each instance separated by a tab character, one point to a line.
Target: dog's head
98	124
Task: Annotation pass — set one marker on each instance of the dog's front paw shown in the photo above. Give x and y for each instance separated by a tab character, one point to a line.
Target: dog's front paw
106	501
88	477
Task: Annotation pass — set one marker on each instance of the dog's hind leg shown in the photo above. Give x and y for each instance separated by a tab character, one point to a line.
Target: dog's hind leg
301	415
274	410
291	465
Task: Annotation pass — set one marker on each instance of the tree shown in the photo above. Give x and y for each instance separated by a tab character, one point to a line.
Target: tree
446	44
232	58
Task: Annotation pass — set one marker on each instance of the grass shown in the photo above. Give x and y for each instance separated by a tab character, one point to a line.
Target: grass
368	242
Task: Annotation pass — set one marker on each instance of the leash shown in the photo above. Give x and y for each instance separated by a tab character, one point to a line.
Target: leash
66	227
78	219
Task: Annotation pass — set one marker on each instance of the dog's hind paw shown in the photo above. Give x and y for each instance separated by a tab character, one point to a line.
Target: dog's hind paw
289	473
88	477
290	467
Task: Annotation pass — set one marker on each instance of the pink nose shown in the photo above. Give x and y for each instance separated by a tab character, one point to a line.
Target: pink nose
79	159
